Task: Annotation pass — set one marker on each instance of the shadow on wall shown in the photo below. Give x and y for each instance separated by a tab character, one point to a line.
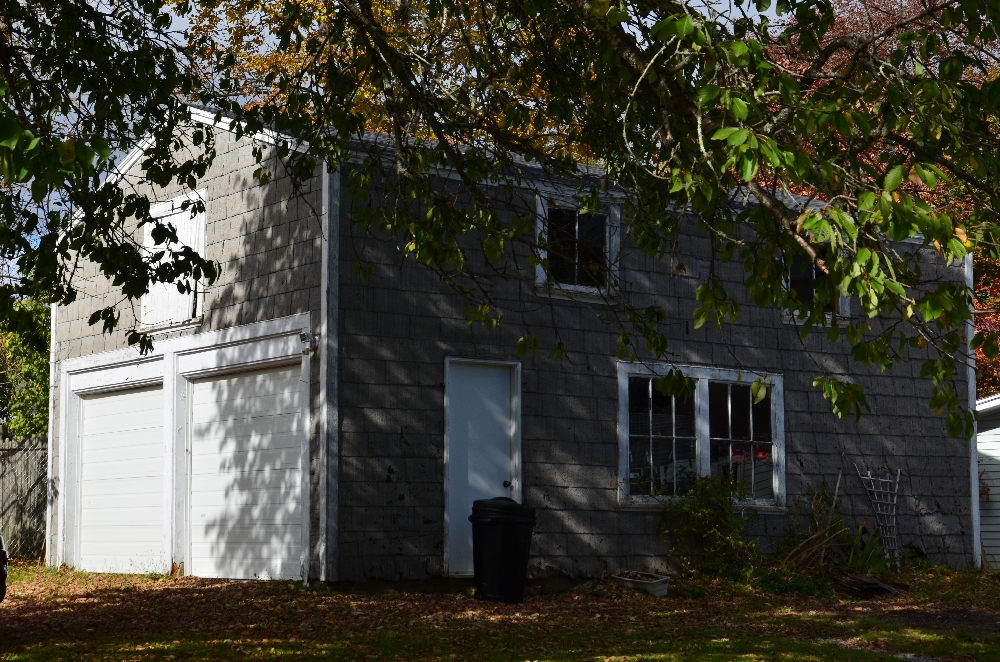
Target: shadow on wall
246	478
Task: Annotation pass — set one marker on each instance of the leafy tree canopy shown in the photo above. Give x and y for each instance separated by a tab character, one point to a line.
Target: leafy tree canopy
82	83
882	117
24	377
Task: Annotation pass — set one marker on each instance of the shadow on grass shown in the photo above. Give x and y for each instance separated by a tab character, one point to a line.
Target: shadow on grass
78	616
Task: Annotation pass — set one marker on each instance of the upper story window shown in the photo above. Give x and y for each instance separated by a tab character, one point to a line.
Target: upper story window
803	279
580	247
164	305
666	441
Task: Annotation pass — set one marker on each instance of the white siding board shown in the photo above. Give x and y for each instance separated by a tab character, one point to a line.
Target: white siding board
121	482
245	475
988	447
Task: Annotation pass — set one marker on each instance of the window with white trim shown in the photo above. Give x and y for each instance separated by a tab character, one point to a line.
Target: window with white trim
580	247
803	277
666	441
164	305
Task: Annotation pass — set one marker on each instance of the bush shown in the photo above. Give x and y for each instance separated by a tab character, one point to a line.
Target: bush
705	531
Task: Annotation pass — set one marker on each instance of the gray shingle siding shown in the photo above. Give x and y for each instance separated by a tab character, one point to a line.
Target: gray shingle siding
397	328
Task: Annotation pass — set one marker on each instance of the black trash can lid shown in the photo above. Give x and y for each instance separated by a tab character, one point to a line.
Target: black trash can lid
501	509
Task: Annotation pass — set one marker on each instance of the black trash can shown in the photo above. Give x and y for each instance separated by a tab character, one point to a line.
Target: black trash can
501	539
3	570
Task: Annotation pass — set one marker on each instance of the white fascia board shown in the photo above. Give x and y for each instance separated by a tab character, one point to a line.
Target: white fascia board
988	404
205	118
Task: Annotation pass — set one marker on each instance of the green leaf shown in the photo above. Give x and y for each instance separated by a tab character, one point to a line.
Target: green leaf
737	137
739	109
722	134
748	167
926	176
10	131
893	178
707	94
685	26
616	15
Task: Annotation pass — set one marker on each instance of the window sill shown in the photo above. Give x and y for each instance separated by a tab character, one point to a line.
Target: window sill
790	319
652	503
575	293
157	329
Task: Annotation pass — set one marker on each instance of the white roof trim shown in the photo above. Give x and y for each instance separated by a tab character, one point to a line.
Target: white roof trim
988	404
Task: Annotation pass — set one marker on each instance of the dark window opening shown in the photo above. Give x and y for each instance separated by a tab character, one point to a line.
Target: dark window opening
577	248
740	432
662	457
803	279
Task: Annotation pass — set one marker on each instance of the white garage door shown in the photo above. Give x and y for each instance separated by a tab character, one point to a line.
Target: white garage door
246	482
121	482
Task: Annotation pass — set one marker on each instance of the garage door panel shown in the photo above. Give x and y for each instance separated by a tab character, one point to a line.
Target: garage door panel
106	408
115	441
111	455
256	406
105	538
121	502
252	429
246	479
263	547
141	468
246	450
233	499
121	482
111	515
256	460
217	508
250	568
257	483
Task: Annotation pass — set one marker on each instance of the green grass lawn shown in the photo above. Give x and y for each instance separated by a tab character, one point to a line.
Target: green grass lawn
48	615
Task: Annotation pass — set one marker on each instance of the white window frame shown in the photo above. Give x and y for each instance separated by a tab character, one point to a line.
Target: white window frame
612	243
702	375
197	302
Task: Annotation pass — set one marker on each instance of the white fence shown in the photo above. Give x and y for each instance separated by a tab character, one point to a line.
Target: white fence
23	479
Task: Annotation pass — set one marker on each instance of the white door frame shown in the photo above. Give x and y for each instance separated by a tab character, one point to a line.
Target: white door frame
173	362
515	434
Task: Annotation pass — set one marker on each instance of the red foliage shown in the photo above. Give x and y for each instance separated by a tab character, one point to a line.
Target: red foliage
987	287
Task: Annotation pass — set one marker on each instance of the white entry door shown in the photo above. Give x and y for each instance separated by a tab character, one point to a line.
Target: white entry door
246	478
482	448
121	482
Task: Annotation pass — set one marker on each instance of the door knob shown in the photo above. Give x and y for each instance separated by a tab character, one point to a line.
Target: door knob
507	483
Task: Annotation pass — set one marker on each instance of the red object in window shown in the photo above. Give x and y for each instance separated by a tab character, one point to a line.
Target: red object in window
762	454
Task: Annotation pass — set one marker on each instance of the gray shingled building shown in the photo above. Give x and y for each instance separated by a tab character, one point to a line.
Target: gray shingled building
296	420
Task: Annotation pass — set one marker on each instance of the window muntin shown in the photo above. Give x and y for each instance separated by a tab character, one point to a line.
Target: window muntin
662	457
577	248
740	437
741	431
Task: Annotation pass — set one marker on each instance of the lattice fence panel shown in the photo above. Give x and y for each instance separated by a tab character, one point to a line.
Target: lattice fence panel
883	492
23	471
